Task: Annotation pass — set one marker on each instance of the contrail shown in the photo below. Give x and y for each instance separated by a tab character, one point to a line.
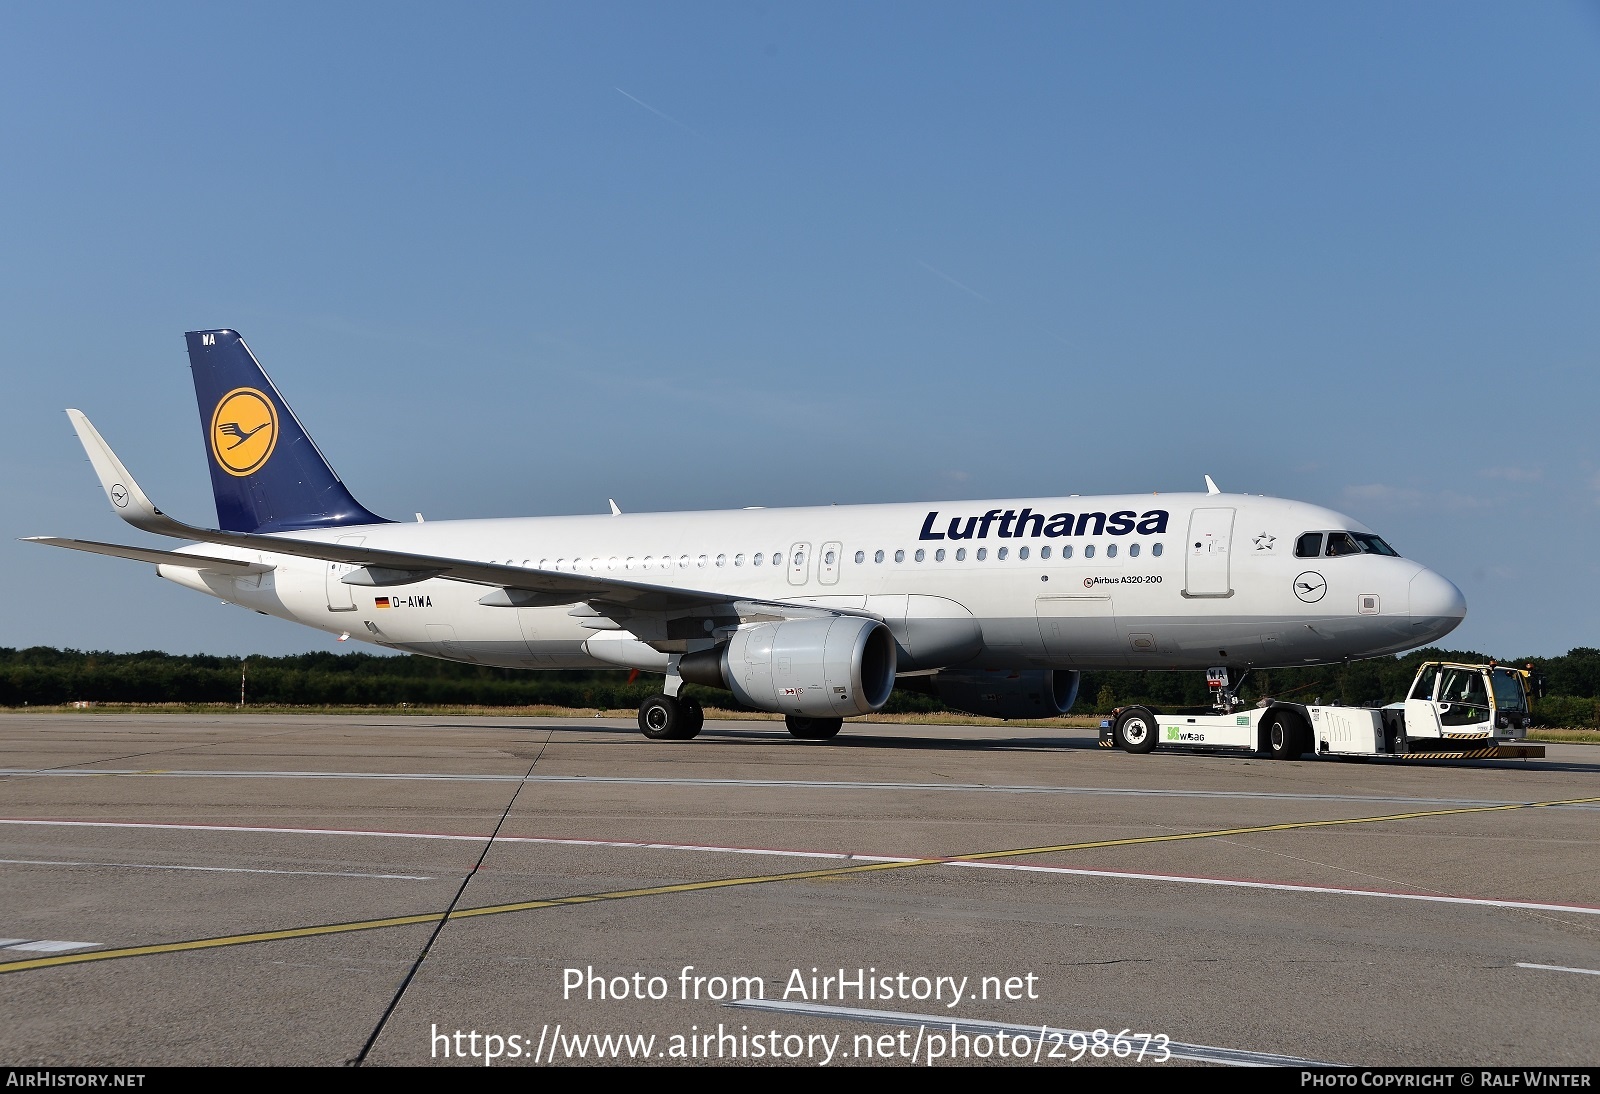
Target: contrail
953	281
656	112
969	289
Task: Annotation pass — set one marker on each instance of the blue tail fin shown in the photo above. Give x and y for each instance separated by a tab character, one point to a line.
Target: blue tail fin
266	472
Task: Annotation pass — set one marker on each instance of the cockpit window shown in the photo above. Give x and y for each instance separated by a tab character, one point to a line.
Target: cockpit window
1308	545
1341	543
1345	543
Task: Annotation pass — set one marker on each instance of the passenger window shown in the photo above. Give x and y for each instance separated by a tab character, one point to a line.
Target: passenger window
1044	552
738	560
777	558
1156	550
1340	544
1066	550
1133	550
756	561
961	554
921	554
1022	552
1088	552
722	560
938	556
1001	553
861	556
877	556
899	556
1308	545
1111	551
983	553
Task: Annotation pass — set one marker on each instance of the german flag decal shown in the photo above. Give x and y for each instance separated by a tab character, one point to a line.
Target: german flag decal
380	602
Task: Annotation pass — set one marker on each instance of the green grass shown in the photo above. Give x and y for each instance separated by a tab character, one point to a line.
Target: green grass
1566	736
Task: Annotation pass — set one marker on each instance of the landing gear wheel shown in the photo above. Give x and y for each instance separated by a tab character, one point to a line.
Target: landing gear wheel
813	729
662	718
694	719
1284	736
1135	730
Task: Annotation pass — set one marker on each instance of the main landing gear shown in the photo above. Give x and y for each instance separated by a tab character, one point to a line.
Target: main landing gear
664	718
813	729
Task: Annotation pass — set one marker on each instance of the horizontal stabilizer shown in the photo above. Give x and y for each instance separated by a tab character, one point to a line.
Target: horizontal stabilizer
232	566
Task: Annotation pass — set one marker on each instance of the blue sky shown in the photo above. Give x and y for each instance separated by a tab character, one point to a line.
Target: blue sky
517	259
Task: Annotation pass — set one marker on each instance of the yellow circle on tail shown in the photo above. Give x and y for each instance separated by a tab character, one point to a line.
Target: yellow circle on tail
244	431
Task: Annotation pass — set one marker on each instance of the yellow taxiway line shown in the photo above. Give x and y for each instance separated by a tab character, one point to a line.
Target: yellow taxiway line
727	883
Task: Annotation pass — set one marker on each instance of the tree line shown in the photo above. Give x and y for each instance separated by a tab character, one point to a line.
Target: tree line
42	676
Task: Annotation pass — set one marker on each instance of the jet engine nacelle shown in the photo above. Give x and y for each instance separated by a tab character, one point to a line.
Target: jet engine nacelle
1002	693
817	668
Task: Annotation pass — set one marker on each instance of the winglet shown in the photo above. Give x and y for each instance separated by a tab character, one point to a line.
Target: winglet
1211	487
614	510
127	500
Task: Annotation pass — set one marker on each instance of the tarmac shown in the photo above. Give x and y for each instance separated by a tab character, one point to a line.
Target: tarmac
240	889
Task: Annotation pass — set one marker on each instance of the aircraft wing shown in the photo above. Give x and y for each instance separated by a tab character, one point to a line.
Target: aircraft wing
231	566
638	606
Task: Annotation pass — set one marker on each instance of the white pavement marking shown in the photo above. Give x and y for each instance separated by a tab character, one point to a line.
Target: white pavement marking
1125	875
209	869
1285	887
1557	968
936	1023
44	945
781	853
761	784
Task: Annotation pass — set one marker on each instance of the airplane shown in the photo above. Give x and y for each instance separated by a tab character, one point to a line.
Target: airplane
815	613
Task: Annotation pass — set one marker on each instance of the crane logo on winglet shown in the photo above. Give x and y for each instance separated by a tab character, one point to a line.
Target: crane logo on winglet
244	431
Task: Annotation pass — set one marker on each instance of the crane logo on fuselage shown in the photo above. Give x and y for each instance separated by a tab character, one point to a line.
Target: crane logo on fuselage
1310	586
1030	525
244	431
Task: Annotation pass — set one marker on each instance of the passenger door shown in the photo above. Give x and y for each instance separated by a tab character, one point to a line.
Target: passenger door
341	597
1206	570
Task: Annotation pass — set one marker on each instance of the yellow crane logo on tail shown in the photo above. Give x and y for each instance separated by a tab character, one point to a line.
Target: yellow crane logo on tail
244	431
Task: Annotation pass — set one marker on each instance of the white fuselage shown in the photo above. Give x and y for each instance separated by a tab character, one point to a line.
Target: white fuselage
1067	582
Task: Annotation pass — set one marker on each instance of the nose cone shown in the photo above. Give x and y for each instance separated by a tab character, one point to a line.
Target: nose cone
1437	606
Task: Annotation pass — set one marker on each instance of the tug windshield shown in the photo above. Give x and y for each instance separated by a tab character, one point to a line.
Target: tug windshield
1508	692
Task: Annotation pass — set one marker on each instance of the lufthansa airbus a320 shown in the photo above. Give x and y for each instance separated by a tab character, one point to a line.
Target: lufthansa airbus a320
813	613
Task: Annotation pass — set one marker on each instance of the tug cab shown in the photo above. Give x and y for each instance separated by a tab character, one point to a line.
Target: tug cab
1452	701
